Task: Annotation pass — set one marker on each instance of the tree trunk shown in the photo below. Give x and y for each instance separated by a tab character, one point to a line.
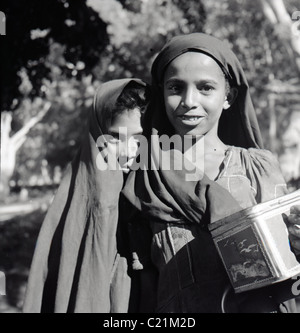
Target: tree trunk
286	28
11	144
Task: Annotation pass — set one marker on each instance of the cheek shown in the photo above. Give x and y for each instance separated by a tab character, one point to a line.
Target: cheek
171	103
214	105
112	149
133	146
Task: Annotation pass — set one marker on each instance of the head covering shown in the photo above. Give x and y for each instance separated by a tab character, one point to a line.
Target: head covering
170	199
166	195
76	250
104	103
238	125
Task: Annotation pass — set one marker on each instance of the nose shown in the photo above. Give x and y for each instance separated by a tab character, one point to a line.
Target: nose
189	99
123	151
132	147
128	149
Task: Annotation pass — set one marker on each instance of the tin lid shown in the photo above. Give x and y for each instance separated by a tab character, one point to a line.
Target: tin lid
248	215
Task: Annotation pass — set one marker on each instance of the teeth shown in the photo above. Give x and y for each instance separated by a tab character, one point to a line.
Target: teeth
189	118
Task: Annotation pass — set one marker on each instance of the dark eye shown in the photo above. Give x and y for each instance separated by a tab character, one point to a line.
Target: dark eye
206	88
174	88
114	138
136	138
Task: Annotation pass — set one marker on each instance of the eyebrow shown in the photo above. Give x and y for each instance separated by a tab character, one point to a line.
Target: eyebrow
204	80
114	133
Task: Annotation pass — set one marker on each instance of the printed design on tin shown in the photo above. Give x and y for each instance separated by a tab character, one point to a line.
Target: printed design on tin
244	258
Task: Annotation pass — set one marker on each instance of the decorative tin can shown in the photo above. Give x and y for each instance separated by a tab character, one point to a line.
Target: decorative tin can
254	244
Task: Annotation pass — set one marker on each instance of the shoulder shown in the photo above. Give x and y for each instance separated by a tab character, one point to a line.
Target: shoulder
260	158
263	170
261	154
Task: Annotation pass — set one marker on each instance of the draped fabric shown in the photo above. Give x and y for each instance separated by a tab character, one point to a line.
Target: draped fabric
238	126
179	207
165	194
78	265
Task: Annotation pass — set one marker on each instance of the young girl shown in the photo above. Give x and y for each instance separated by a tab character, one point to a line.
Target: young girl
78	265
201	93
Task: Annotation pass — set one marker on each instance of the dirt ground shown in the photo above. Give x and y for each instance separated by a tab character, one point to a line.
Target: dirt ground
17	242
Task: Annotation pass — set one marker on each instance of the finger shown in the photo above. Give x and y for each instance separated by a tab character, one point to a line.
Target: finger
293	219
295	209
285	219
296	246
294	230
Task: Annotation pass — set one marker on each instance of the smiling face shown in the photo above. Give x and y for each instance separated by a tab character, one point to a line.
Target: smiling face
122	139
195	94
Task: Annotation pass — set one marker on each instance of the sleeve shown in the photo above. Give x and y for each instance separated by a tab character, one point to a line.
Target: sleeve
263	170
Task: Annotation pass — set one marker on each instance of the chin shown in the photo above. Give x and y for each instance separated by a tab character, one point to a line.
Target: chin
192	132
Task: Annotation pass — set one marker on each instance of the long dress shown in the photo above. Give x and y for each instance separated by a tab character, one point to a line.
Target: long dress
191	276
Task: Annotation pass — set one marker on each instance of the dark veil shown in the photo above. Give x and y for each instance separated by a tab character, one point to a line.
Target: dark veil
165	196
77	266
238	126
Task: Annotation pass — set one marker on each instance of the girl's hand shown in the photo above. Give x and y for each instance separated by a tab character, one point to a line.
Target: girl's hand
293	224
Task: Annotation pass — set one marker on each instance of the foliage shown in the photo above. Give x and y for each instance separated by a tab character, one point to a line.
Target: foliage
139	29
263	56
60	51
48	54
31	28
54	140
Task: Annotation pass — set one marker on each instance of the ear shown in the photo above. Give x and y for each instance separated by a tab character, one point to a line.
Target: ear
230	98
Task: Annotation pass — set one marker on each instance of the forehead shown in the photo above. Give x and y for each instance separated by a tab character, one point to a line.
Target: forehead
193	64
129	120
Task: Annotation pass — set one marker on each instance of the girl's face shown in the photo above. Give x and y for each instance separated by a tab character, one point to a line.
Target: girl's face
194	93
122	140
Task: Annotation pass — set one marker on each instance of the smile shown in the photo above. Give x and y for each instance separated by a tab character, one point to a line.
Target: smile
190	120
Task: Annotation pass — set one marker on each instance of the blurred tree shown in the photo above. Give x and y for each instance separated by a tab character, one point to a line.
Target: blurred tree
290	156
265	58
60	50
31	26
286	29
138	29
56	137
11	144
31	70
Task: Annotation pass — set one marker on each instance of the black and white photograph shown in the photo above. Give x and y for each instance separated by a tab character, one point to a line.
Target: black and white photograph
150	159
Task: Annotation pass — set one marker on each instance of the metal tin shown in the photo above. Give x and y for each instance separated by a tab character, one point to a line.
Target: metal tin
254	244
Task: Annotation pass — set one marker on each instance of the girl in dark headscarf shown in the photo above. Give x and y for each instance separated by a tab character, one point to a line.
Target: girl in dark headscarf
78	265
201	92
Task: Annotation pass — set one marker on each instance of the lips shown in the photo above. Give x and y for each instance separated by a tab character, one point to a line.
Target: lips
125	162
190	119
